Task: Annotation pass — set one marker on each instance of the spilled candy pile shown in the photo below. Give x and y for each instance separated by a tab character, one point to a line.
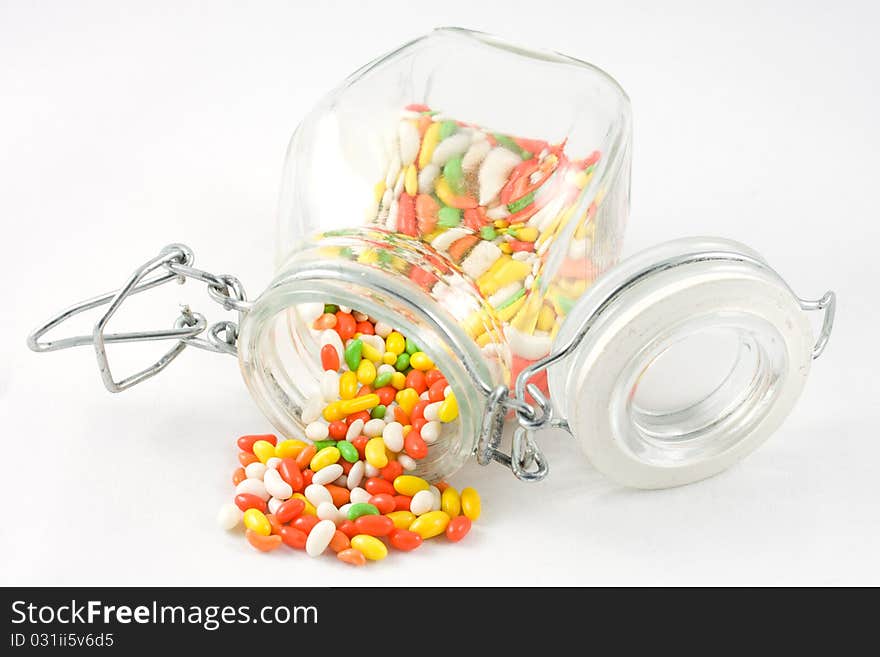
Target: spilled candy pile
382	405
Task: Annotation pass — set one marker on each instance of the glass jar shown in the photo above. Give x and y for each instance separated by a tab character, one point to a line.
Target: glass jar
472	195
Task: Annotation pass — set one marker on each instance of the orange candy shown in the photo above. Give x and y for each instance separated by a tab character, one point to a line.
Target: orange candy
347	527
340	494
391	471
339	542
324	322
273	522
246	443
290	472
345	325
295	538
329	357
305	523
305	457
263	543
352	556
289	510
238	476
414	445
401	502
404	540
377	486
458	528
384	502
374	525
246	458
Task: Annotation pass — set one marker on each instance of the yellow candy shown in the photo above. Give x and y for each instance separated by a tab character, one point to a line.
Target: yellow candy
257	522
369	546
362	403
505	314
327	456
429	143
421	361
401	519
431	524
448	410
398	380
366	372
264	450
310	508
406	399
389	358
375	452
333	411
372	353
395	343
410	484
406	429
527	234
411	180
546	318
379	190
450	502
348	385
512	271
444	191
289	448
499	223
504	247
470	503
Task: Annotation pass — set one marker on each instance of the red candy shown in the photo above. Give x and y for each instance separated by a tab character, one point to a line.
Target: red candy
347	527
346	327
246	443
307	477
391	471
400	416
414	445
289	510
404	540
360	443
329	358
432	376
383	501
295	538
360	415
458	528
435	392
401	502
377	486
386	395
305	523
245	501
365	328
416	380
374	525
290	472
338	429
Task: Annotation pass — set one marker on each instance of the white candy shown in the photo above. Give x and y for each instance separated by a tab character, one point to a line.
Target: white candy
345	309
530	347
450	147
320	537
317	430
312	408
530	280
475	154
427	176
445	239
330	385
316	493
422	502
327	474
392	436
398	186
371	470
253	487
391	221
504	294
276	486
430	432
329	336
382	329
494	171
327	511
359	495
375	341
408	135
499	212
355	476
385	367
273	463
274	503
432	412
341	480
354	430
577	249
255	470
229	516
393	171
424	395
406	462
435	492
446	391
481	257
343	510
374	427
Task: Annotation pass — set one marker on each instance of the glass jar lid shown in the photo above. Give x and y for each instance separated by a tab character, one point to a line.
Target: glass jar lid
684	358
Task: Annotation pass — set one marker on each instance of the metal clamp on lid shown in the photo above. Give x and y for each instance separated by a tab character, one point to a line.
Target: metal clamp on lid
177	261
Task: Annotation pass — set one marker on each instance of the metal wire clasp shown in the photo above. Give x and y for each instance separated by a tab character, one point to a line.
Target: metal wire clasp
177	261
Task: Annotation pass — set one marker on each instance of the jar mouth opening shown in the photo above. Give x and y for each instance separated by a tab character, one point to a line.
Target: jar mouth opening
699	390
281	353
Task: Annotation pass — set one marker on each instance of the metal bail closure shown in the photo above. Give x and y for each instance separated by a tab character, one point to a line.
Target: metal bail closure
177	260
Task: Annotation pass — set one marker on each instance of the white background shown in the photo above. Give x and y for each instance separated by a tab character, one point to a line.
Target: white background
126	126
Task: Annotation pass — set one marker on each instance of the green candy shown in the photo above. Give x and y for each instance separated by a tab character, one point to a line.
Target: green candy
449	217
385	257
348	451
378	411
509	144
382	380
321	444
520	203
353	354
402	362
488	233
411	347
447	128
355	511
330	308
453	175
